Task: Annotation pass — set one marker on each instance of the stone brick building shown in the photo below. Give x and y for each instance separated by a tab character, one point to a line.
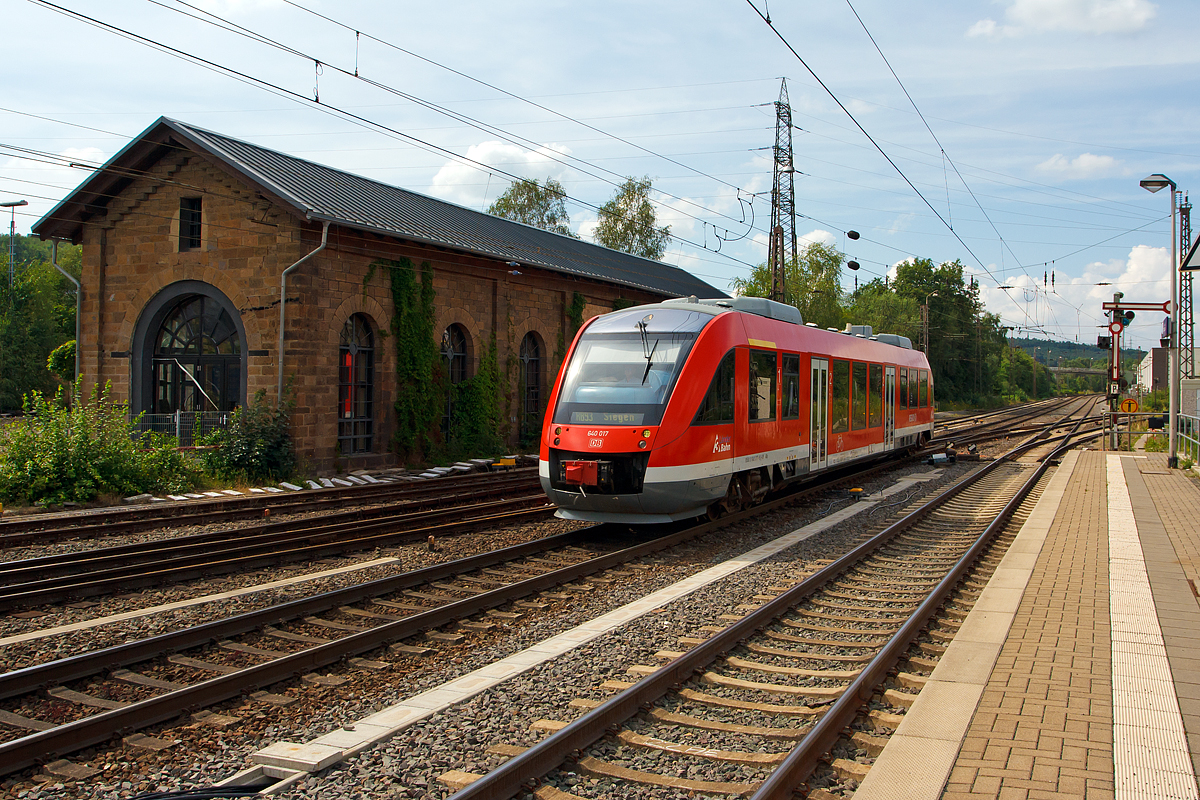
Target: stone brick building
187	235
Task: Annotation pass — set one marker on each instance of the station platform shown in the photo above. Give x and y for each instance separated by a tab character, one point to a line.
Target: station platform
1077	673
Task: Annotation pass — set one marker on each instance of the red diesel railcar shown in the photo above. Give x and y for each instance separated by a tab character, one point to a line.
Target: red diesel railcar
670	411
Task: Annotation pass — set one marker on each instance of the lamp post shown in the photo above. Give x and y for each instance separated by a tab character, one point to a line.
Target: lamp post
1154	183
12	236
925	323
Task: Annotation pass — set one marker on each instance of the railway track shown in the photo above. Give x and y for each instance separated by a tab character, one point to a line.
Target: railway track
40	528
798	668
152	680
79	575
141	683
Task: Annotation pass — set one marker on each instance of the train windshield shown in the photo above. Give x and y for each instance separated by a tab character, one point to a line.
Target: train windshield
625	366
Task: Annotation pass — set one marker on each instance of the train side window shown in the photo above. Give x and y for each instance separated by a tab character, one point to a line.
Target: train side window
858	399
717	405
902	389
791	386
923	388
839	396
912	388
876	395
762	386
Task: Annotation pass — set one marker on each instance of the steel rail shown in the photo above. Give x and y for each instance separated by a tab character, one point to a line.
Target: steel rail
47	745
95	729
37	528
781	784
525	769
140	552
321	543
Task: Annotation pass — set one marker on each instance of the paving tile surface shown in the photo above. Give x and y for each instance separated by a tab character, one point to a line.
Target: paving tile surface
1167	508
1044	725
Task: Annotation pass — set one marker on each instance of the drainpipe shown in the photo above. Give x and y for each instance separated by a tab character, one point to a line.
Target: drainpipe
78	299
283	306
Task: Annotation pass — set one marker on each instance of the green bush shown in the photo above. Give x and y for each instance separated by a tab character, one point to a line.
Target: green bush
56	454
257	445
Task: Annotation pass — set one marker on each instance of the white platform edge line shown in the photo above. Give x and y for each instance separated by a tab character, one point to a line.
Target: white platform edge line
195	601
892	777
413	709
1138	773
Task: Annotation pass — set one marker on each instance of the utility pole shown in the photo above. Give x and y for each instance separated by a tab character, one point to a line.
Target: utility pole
925	323
782	247
1187	325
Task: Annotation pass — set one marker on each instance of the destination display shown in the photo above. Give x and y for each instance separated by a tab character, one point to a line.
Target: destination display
605	418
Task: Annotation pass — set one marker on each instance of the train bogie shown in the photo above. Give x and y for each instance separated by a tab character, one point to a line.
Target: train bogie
678	409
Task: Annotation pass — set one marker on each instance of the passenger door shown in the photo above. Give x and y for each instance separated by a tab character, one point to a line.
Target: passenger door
889	408
819	427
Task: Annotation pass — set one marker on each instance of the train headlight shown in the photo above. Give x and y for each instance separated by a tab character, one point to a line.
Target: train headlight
556	440
646	434
642	444
557	431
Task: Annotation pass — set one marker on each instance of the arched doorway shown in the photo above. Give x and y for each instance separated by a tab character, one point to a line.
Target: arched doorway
189	336
197	358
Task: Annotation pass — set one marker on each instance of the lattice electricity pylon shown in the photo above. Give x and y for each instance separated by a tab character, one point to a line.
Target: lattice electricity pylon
1187	325
782	247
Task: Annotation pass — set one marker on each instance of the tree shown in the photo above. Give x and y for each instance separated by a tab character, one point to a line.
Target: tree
37	314
532	203
628	222
875	304
812	283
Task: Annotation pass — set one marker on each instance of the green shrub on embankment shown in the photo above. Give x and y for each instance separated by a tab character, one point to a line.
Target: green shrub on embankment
55	454
257	445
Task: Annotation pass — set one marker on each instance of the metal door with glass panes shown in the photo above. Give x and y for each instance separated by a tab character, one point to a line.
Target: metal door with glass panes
889	408
819	421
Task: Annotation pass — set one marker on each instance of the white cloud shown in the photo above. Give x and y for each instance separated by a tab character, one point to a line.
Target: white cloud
986	28
1079	16
468	185
818	236
1074	307
1083	166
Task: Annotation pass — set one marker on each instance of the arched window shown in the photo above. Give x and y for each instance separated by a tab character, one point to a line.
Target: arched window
197	358
531	385
454	353
454	363
356	387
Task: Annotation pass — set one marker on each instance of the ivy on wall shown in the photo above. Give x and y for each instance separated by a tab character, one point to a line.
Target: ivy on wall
623	302
475	423
419	395
474	427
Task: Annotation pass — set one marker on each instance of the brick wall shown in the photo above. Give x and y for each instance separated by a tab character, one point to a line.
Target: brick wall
131	254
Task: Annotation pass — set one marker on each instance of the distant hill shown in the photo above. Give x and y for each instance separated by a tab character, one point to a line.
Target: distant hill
1049	352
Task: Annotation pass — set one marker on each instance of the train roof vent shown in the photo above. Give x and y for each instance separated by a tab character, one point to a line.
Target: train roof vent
751	305
812	325
859	330
895	339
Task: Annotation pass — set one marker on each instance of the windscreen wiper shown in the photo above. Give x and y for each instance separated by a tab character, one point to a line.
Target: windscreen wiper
649	363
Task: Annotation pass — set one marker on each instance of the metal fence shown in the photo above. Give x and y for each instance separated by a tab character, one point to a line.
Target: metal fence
1189	437
185	426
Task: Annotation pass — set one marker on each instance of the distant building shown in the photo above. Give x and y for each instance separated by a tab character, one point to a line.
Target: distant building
186	234
1154	371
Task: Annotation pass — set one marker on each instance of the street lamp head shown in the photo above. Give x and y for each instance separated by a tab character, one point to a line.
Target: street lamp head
14	203
1156	182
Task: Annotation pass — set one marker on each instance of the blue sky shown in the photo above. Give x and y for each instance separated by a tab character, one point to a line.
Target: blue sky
1050	110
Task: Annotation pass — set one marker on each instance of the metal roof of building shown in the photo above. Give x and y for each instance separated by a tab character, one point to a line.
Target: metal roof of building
322	193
